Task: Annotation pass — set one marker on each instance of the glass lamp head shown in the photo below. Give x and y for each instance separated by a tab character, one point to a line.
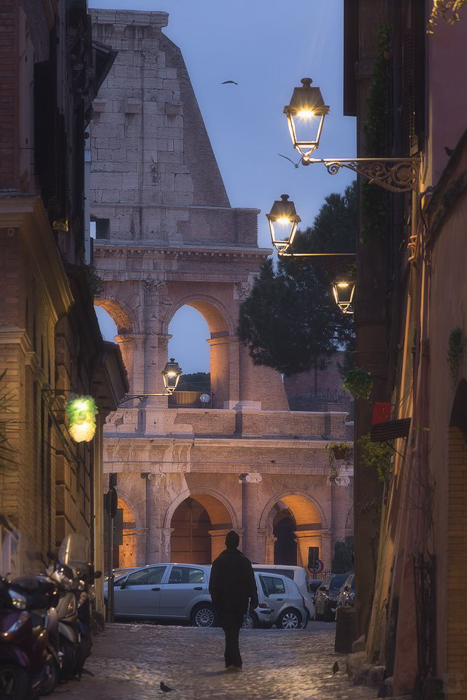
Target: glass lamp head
283	221
305	117
171	375
343	291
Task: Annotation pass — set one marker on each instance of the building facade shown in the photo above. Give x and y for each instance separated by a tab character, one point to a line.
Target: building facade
50	342
409	615
168	237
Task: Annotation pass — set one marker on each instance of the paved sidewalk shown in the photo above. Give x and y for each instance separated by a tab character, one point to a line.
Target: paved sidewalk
130	660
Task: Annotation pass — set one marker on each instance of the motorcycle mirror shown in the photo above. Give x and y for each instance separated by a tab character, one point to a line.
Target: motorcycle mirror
98	574
67	571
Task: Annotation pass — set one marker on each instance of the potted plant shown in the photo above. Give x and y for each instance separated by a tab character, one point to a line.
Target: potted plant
339	451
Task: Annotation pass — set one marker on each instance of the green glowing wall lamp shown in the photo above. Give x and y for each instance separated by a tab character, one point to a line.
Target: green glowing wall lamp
171	376
305	117
81	411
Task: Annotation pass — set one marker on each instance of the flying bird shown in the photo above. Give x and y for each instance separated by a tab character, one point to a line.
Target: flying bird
295	165
449	151
229	82
165	688
335	668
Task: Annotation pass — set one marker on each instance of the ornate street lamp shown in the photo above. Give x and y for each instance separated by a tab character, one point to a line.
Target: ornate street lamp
305	116
283	222
170	374
343	294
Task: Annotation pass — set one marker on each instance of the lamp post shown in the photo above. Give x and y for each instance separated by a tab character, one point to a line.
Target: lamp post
171	376
305	116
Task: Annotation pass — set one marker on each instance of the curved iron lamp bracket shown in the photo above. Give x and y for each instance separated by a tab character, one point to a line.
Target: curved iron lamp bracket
393	174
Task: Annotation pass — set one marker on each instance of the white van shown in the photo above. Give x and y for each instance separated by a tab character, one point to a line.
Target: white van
298	575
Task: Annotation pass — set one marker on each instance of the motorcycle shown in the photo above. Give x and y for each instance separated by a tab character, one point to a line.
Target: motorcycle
27	666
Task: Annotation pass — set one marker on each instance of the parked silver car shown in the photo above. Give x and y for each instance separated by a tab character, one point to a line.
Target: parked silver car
166	591
280	603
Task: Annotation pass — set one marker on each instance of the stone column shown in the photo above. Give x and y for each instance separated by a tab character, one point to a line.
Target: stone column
326	549
220	370
263	546
339	508
250	483
155	345
153	530
132	349
166	549
217	542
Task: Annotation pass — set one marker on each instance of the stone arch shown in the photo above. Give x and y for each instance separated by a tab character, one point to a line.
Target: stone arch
139	520
298	502
205	494
310	522
455	617
217	316
221	328
219	518
118	311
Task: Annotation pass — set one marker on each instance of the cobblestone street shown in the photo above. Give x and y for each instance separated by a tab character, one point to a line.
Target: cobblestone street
130	660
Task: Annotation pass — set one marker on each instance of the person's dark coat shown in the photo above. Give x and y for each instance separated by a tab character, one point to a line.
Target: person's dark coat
232	583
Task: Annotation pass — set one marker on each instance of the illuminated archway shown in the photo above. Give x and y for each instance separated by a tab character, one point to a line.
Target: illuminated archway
221	329
309	521
126	535
198	523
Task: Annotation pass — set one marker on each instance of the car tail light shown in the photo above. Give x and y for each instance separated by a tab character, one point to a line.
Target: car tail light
262	605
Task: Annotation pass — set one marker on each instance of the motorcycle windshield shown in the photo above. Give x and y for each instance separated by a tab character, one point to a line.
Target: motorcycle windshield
74	550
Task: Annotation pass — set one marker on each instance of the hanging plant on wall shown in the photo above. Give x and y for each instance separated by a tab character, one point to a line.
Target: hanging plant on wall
377	456
339	451
358	382
455	350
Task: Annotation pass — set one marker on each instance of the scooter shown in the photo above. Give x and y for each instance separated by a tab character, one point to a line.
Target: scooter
24	657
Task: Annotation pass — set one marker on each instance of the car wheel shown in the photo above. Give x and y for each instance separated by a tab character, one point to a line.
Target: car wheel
250	621
204	616
14	682
289	620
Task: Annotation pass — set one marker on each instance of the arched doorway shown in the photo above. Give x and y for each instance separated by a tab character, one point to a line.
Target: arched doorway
285	545
125	534
199	525
191	541
294	515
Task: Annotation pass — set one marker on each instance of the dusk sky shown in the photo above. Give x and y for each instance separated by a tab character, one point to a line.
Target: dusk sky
266	46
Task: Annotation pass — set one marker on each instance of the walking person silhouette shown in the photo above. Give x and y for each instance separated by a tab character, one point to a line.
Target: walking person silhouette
233	591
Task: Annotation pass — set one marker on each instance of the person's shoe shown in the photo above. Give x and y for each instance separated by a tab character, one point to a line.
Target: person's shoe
237	669
231	668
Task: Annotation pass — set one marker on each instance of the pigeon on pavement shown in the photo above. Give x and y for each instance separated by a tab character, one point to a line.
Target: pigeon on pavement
335	668
165	688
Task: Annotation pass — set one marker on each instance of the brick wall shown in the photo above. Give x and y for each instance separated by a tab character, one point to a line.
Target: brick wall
9	75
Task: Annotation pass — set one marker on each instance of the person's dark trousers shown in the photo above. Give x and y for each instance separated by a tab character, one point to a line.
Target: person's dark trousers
231	623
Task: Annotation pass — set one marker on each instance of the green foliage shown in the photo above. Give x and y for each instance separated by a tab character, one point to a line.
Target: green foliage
342	561
359	383
377	456
455	350
197	381
290	320
7	452
375	127
95	282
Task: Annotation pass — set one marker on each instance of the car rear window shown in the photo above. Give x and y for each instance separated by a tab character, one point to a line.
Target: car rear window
338	581
186	574
273	584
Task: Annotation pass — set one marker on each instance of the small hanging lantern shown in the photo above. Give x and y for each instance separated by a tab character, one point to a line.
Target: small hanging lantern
343	294
283	222
171	375
81	411
305	117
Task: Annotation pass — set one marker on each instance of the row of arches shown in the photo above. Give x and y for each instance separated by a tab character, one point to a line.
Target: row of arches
196	525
